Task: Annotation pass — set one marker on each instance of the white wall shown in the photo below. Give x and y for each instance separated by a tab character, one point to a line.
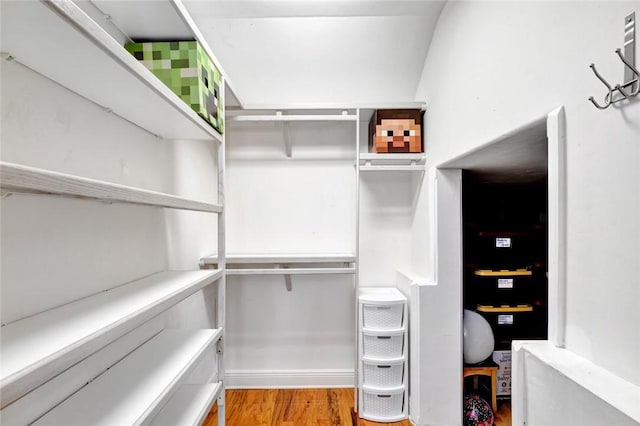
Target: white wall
302	204
289	52
519	61
56	250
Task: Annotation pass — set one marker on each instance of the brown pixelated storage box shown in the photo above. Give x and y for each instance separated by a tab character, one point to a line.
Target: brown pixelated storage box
396	130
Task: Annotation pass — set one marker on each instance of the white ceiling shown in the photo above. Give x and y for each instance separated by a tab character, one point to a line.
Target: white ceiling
302	52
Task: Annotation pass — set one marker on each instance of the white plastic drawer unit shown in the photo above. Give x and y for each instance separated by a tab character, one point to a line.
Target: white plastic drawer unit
383	404
383	374
383	317
383	344
382	308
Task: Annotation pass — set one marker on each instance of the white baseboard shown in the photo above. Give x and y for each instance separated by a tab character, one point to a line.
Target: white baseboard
282	379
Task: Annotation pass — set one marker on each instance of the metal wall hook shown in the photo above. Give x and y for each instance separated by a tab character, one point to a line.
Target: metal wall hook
609	95
631	82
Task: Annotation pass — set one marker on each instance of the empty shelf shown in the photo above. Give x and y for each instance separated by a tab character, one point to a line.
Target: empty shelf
37	348
281	118
392	162
18	178
290	271
135	389
189	406
281	258
39	35
285	264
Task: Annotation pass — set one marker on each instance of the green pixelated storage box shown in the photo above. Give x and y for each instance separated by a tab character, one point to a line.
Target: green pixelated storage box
186	69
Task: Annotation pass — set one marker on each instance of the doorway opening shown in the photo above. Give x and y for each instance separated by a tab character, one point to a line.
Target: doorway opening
511	224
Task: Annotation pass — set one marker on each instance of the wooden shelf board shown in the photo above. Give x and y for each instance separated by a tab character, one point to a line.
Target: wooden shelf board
40	35
135	389
41	346
18	178
290	271
189	406
281	258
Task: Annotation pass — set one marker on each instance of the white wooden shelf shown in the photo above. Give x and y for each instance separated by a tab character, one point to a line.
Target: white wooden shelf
392	162
18	178
135	389
286	118
285	264
189	406
290	271
41	346
281	258
58	40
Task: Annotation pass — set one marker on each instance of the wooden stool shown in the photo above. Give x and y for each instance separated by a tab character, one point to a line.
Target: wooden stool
484	370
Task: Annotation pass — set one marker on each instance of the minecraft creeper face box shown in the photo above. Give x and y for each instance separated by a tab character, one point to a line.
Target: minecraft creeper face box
396	130
185	68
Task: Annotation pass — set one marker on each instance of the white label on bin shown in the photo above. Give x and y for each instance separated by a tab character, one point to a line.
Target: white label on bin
505	282
503	242
505	319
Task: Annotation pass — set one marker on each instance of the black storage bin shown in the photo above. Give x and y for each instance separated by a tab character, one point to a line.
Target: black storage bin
519	322
501	287
503	249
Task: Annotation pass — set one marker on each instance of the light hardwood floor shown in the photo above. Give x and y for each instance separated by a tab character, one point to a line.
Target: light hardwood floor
291	407
303	407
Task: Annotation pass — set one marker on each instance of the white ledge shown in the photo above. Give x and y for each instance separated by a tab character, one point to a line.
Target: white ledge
615	391
31	180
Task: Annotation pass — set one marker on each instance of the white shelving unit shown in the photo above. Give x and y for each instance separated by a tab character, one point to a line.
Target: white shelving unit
285	118
97	67
135	389
397	168
39	347
284	264
58	40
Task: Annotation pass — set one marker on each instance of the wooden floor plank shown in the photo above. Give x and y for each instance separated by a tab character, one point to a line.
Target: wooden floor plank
304	407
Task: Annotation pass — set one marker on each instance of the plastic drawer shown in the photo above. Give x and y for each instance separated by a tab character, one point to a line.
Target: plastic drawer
383	374
383	404
383	344
383	317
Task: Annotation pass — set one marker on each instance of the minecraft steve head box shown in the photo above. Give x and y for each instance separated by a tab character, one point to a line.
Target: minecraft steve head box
185	68
396	130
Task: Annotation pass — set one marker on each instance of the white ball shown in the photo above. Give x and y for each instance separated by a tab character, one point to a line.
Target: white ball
478	339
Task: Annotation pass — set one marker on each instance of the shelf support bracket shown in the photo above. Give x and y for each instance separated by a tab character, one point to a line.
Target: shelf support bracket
287	277
286	136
